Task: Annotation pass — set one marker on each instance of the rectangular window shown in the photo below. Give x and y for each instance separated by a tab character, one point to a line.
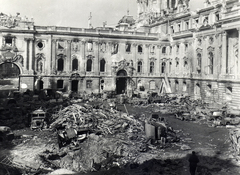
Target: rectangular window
8	41
60	84
89	84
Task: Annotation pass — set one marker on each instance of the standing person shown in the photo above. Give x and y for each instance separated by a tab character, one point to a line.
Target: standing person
193	161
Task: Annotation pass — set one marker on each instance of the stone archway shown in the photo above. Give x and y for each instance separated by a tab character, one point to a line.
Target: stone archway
121	82
9	76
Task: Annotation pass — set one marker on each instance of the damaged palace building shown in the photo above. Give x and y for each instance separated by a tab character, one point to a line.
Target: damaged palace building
193	52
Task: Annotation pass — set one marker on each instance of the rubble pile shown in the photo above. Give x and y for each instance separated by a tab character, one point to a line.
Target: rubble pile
109	135
234	135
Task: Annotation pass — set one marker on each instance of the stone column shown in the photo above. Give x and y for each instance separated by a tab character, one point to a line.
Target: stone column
82	67
224	53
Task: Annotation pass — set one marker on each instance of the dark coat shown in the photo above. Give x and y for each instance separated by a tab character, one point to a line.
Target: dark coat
193	160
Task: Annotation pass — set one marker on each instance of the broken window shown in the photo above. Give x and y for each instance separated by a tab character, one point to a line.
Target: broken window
197	89
90	46
205	21
152	49
177	48
184	86
89	84
185	63
164	50
176	85
103	47
61	45
59	84
170	67
209	86
9	41
163	67
179	27
210	63
186	47
102	65
140	50
60	64
89	65
177	63
114	48
187	25
128	47
74	64
151	67
139	68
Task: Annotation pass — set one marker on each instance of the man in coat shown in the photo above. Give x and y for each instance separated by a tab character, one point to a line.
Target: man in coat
193	161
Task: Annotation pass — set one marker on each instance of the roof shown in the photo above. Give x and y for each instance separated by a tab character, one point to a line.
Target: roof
127	19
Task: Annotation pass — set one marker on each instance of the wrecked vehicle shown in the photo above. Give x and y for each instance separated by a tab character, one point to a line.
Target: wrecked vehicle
6	134
38	119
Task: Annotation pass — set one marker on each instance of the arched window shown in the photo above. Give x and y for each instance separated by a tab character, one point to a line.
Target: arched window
210	63
139	68
102	65
74	64
89	65
163	67
60	64
151	67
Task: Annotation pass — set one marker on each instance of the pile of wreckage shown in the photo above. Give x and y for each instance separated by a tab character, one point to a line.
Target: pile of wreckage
89	137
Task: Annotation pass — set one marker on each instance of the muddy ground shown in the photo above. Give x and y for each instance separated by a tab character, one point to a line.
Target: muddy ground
211	144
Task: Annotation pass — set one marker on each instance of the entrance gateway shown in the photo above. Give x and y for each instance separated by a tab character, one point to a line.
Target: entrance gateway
121	82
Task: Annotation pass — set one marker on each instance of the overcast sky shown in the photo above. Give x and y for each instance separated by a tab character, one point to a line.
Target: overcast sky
74	13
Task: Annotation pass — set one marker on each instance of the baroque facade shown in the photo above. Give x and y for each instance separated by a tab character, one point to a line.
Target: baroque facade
196	50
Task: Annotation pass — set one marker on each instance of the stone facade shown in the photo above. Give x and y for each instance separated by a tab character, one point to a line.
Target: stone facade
196	50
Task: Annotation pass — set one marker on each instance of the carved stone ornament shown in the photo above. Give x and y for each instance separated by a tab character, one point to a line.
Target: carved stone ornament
11	57
211	40
199	41
210	49
199	50
8	21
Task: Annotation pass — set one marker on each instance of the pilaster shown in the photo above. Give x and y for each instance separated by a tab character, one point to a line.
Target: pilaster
224	53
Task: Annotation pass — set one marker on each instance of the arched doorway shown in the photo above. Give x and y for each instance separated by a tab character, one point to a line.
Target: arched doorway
121	82
9	76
